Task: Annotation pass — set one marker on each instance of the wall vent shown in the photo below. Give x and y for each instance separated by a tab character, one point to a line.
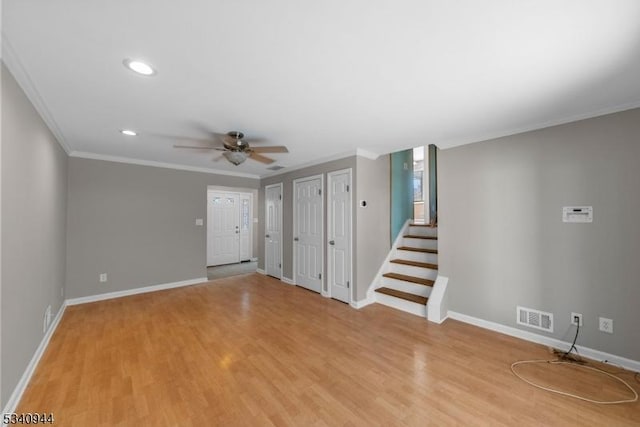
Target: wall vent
534	319
275	168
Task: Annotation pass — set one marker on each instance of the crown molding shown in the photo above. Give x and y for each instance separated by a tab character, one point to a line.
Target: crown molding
540	126
128	160
17	69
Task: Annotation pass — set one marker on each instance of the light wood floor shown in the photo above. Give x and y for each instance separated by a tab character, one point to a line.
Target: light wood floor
249	350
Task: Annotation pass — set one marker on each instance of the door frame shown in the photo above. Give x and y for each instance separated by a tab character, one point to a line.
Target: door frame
281	186
330	176
295	226
252	255
206	223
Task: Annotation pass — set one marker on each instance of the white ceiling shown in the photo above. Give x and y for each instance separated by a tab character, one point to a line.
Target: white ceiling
324	78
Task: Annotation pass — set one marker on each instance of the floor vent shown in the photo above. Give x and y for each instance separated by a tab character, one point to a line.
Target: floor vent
535	319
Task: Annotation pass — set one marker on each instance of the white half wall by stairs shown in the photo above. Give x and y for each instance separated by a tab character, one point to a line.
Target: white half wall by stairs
408	279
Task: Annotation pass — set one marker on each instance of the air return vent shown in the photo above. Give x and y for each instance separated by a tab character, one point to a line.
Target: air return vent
275	168
535	319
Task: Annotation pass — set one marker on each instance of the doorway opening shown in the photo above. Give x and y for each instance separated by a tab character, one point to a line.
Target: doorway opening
425	197
231	219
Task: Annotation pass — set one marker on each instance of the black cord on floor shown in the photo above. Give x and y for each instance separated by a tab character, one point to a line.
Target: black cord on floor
565	355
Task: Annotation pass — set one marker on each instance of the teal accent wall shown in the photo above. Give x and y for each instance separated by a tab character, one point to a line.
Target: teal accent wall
401	190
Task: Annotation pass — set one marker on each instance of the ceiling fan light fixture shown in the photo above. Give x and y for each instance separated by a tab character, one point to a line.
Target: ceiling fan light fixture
235	157
139	67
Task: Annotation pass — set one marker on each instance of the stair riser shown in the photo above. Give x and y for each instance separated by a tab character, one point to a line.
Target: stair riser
401	285
409	270
423	231
417	256
420	243
400	304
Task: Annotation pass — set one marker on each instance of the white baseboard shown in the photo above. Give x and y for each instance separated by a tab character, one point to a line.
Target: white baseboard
587	352
254	259
362	303
15	397
135	291
261	271
288	281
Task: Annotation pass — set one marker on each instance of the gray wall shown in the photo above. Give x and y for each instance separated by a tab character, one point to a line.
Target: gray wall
137	224
34	208
373	223
287	209
502	241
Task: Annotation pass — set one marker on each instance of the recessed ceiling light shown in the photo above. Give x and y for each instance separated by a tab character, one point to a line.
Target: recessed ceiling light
139	67
128	132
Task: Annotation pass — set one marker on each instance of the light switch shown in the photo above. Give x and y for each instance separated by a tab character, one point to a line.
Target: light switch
199	221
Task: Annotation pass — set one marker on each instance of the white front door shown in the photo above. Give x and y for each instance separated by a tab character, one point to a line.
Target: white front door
273	231
222	228
307	232
339	235
246	223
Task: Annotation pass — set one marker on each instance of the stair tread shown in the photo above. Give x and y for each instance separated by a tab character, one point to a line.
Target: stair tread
415	263
423	225
412	279
415	236
428	251
403	295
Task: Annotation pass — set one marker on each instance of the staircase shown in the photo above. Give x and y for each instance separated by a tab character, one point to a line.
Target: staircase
406	280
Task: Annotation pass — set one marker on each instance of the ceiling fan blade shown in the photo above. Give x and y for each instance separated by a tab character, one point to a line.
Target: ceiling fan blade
260	158
270	149
254	140
196	148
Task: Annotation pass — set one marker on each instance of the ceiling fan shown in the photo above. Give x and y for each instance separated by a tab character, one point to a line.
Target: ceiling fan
237	149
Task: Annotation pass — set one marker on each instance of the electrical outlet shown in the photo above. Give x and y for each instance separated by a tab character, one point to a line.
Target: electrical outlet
606	325
576	319
103	277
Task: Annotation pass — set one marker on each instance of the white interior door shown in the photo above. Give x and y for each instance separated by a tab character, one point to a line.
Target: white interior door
339	235
273	230
222	228
246	223
307	232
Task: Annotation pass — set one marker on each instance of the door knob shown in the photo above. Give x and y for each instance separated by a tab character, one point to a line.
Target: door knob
267	236
295	239
332	242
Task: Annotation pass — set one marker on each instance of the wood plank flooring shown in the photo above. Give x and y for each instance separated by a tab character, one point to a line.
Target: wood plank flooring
250	350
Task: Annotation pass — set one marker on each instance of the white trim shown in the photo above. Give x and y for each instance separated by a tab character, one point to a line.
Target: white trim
153	163
288	281
253	259
135	291
261	271
295	225
590	353
383	267
362	303
367	154
18	391
437	307
287	169
330	176
281	186
19	72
